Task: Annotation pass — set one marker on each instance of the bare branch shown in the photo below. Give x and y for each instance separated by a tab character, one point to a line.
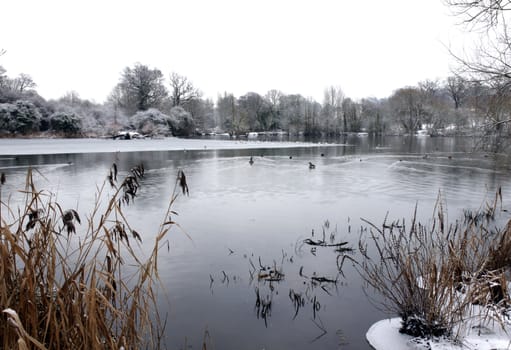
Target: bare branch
483	13
182	90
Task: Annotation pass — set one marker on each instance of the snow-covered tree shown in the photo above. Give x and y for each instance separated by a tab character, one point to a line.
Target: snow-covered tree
95	119
184	124
67	123
152	122
20	117
140	88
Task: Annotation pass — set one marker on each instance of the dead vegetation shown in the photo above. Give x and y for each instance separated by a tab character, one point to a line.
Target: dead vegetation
71	282
433	275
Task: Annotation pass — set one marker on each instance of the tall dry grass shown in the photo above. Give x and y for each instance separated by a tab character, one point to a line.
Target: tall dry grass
433	275
74	282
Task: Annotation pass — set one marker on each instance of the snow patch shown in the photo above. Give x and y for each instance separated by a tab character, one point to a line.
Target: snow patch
384	335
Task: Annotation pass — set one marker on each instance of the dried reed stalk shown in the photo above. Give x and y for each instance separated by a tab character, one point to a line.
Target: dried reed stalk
432	275
79	286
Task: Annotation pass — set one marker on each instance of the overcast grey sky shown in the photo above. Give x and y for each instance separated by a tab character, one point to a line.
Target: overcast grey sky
368	48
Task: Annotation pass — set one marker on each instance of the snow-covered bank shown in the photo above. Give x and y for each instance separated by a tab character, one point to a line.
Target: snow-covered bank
59	146
384	335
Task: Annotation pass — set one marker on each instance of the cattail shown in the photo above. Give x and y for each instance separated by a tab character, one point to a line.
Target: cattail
182	182
68	220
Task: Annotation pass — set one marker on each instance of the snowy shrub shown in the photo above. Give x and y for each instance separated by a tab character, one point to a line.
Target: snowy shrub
6	112
94	118
67	123
151	122
21	117
184	125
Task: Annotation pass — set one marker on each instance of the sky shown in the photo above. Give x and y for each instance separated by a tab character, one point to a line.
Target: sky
367	48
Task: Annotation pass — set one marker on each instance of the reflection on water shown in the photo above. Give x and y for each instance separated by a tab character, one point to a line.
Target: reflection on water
268	264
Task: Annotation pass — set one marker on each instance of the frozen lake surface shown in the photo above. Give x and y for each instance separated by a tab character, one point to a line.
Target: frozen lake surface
59	146
241	217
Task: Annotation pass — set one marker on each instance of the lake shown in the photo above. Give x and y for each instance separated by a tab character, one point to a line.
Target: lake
241	220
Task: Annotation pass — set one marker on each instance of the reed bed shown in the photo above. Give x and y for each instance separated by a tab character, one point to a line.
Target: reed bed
434	275
74	282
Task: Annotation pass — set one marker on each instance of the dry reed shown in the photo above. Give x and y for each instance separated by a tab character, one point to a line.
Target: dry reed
68	284
433	275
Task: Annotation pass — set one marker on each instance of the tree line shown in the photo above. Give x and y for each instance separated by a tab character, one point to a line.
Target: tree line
475	99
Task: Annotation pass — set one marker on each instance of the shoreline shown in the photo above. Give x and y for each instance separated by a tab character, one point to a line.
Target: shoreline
38	146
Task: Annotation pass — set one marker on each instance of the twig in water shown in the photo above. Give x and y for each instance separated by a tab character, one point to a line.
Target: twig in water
321	327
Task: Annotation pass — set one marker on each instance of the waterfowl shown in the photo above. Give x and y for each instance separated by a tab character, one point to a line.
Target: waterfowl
311	166
251	161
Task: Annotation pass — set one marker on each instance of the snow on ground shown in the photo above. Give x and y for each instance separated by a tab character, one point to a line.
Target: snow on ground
60	146
384	335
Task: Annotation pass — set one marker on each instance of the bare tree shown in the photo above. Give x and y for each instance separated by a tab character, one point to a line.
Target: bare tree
407	106
372	113
115	100
231	117
182	90
429	89
332	110
495	131
273	99
257	111
481	13
351	115
293	109
141	88
490	65
3	77
22	83
435	104
2	70
202	113
457	89
71	98
491	60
